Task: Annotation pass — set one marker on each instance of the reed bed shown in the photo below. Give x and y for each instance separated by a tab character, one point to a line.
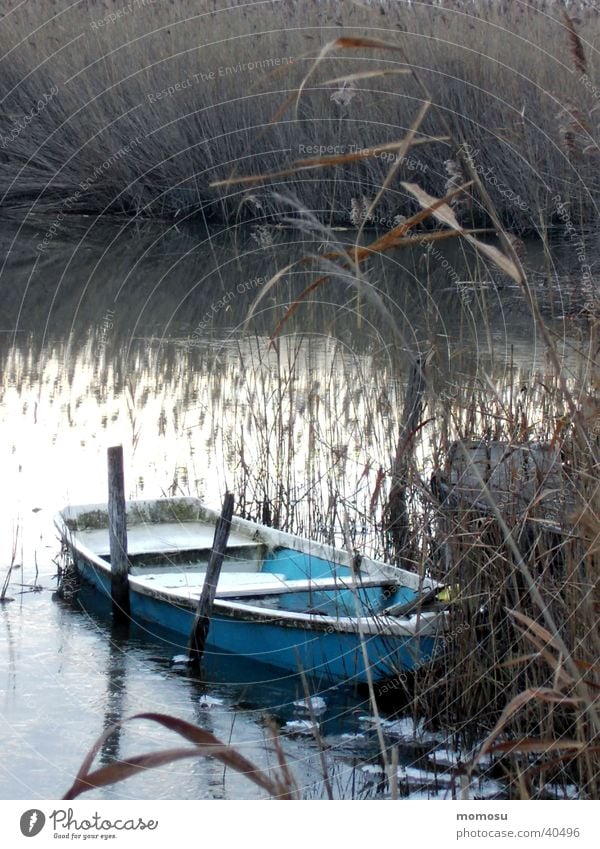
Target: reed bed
138	108
499	654
306	453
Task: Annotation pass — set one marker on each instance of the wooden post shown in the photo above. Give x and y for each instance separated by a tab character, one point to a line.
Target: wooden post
207	596
397	510
117	534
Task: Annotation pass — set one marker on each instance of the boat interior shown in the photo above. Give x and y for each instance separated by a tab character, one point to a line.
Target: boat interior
171	558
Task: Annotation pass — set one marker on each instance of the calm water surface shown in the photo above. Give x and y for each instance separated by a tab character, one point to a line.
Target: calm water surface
133	334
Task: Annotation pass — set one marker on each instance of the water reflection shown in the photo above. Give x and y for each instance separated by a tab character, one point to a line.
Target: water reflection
116	675
10	686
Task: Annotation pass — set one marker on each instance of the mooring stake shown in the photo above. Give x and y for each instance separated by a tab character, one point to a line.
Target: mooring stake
397	506
207	596
117	534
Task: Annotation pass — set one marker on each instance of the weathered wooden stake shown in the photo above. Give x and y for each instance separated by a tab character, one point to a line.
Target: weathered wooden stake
117	534
397	509
207	597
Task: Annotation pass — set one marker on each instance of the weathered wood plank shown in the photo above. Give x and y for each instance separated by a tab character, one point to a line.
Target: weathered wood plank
205	603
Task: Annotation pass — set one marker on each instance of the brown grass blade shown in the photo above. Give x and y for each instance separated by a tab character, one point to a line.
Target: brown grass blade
121	770
394	238
368	292
555	697
558	761
367	75
205	745
341	43
535	628
518	661
288	783
366	153
541	639
437	236
562	678
526	744
327	162
443	213
406	144
352	43
497	257
390	239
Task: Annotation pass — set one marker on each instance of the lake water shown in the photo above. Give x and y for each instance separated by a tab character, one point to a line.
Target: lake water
136	334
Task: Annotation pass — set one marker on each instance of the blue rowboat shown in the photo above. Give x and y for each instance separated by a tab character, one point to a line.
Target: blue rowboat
281	600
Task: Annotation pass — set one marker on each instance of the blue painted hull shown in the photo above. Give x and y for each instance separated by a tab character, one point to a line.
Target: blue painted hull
320	649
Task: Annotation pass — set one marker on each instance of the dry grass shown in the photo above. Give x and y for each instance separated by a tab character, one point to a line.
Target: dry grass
507	77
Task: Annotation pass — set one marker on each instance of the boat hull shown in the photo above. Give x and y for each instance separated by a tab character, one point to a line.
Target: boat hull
320	648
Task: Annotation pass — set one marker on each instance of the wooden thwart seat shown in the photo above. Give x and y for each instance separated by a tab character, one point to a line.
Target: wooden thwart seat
239	584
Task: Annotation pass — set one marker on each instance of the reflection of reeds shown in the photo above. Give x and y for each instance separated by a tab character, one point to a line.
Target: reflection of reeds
13	559
309	431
